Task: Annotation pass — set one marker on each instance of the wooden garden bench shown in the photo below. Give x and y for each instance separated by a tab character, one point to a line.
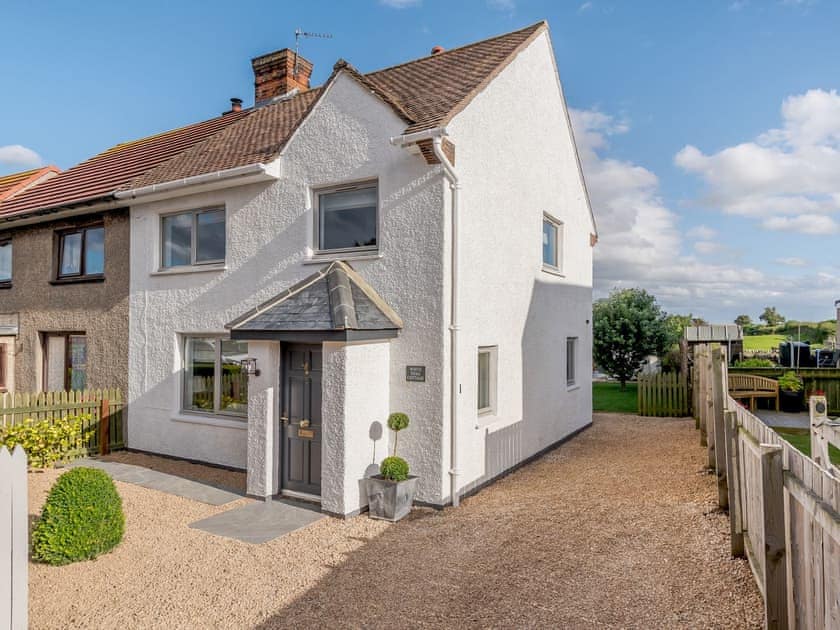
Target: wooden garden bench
749	386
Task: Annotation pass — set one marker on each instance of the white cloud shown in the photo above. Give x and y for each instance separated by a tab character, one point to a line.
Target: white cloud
707	247
584	7
18	156
788	172
502	5
792	261
737	5
400	4
702	232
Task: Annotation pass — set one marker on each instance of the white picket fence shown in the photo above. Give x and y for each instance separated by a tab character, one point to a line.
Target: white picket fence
14	540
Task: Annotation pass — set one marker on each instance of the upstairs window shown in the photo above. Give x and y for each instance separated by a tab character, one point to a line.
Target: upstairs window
81	253
5	263
552	243
190	238
347	218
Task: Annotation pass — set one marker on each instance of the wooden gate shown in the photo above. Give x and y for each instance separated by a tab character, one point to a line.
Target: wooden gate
664	395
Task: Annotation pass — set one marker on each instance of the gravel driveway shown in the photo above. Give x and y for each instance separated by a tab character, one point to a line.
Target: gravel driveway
617	528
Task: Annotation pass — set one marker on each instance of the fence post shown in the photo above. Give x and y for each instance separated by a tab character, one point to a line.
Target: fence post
14	545
773	509
733	478
719	396
104	428
702	408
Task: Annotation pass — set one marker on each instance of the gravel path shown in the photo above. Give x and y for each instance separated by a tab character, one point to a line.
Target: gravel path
617	528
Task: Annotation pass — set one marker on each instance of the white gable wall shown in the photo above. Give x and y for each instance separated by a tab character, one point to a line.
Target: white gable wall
515	159
270	228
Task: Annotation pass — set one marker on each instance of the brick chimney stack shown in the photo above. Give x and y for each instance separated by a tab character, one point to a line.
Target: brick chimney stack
275	75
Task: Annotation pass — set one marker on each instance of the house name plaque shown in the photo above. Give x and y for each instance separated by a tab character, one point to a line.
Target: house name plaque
416	373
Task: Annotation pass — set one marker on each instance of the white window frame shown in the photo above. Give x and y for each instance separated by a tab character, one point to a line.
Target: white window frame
217	411
316	207
493	379
193	240
571	361
557	224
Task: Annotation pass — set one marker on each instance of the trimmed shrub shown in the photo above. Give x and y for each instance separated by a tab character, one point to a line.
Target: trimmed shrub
790	382
755	363
48	441
81	519
394	468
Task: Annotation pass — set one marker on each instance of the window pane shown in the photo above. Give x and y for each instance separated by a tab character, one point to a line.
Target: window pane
71	254
77	360
210	245
177	240
549	243
200	374
347	219
570	361
5	262
95	251
234	379
483	380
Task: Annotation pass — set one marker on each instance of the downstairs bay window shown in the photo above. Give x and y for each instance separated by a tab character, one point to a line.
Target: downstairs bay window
214	379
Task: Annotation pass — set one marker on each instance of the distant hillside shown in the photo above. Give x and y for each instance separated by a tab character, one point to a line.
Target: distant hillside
768	337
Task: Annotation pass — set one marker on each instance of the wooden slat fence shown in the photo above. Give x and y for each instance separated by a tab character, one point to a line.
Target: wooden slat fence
664	395
14	535
15	408
784	509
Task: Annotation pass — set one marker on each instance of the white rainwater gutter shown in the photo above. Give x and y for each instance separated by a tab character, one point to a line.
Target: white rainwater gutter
436	136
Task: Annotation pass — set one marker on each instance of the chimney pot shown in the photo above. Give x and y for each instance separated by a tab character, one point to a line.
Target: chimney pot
437	50
236	104
278	73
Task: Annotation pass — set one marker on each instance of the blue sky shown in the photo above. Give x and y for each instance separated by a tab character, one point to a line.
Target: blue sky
708	130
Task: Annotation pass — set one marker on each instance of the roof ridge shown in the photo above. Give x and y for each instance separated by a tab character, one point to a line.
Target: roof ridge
534	26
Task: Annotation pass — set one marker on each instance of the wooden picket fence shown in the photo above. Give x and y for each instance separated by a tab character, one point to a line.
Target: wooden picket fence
14	539
99	404
664	395
784	509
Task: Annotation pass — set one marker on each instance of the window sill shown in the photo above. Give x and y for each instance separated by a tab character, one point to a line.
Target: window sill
554	271
80	280
571	388
317	259
177	271
213	421
5	285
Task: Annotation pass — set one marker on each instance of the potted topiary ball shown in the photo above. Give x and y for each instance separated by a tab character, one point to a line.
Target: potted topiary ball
391	493
791	392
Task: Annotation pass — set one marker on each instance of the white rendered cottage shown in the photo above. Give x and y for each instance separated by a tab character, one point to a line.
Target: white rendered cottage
415	239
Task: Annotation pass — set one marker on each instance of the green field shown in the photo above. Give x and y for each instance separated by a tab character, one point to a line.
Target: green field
765	343
610	397
801	440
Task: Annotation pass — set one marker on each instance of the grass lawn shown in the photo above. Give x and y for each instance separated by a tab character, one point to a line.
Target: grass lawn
801	439
610	397
764	343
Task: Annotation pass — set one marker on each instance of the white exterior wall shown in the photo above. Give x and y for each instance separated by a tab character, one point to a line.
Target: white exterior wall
270	232
356	396
515	158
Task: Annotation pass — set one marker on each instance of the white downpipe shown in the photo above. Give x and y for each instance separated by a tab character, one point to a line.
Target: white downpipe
436	136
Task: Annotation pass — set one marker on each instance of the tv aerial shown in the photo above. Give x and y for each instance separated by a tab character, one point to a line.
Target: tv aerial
300	33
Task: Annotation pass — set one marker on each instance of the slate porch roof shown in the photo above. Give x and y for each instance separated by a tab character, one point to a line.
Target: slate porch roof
426	92
335	303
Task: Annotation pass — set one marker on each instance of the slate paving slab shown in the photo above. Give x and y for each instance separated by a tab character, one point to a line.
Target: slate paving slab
258	522
163	482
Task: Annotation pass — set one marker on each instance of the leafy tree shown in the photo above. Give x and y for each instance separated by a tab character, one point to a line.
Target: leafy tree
743	320
627	327
771	316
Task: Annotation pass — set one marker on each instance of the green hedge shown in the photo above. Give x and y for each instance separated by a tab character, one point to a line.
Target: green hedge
81	519
48	441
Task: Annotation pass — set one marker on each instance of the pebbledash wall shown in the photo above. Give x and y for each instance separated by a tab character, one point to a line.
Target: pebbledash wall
99	309
270	232
516	160
512	171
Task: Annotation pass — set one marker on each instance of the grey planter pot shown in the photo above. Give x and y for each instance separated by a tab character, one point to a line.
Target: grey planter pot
390	500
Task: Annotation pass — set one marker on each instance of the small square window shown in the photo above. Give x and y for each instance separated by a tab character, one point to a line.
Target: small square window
487	370
81	253
552	242
5	262
196	237
347	219
571	361
215	380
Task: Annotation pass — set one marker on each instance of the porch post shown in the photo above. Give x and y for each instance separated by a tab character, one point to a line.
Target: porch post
263	419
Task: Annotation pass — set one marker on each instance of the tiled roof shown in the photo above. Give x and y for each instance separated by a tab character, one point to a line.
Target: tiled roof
426	93
16	183
103	174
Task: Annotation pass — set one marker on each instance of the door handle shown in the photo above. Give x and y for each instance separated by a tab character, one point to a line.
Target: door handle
304	423
284	420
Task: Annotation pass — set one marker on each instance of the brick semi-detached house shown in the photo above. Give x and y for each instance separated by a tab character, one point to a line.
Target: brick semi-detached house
277	280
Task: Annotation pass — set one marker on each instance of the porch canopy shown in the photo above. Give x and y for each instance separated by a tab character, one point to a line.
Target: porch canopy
333	304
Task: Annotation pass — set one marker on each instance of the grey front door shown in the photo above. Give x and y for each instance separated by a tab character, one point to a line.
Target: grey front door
301	420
